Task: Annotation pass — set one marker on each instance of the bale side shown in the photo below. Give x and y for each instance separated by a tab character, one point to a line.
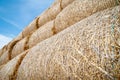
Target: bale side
49	14
7	51
42	33
30	28
79	10
46	16
9	70
82	51
4	58
3	50
1	66
19	47
65	3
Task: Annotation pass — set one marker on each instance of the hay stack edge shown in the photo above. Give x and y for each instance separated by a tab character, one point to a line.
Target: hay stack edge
71	40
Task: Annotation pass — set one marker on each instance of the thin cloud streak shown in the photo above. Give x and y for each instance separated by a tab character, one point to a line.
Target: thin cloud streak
11	22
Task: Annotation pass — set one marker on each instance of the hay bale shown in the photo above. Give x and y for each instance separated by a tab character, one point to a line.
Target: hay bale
19	47
49	14
4	57
30	28
79	10
7	51
80	52
12	44
41	34
65	3
1	52
46	16
1	66
9	70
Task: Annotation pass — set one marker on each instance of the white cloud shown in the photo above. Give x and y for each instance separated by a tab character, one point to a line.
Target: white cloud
4	40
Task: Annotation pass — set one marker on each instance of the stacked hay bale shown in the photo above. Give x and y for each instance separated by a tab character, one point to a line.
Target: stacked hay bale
79	10
89	49
6	52
42	33
73	13
19	47
82	51
4	58
2	50
45	17
8	71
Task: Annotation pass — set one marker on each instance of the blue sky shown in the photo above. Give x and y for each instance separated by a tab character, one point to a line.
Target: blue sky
17	14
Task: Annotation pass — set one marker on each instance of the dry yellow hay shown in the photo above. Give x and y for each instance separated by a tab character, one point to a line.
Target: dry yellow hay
1	66
49	14
64	3
4	57
45	17
7	51
9	70
53	11
42	33
1	50
83	51
79	10
12	44
30	28
19	47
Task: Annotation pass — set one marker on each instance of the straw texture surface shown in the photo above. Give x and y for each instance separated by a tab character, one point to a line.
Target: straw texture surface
64	3
30	28
8	71
19	47
41	34
71	40
83	51
1	50
4	58
49	14
79	10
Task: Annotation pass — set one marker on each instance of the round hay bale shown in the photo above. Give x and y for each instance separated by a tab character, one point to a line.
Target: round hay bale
7	51
80	52
1	66
41	34
12	44
49	14
1	52
79	10
65	3
19	47
46	16
30	28
9	70
4	57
